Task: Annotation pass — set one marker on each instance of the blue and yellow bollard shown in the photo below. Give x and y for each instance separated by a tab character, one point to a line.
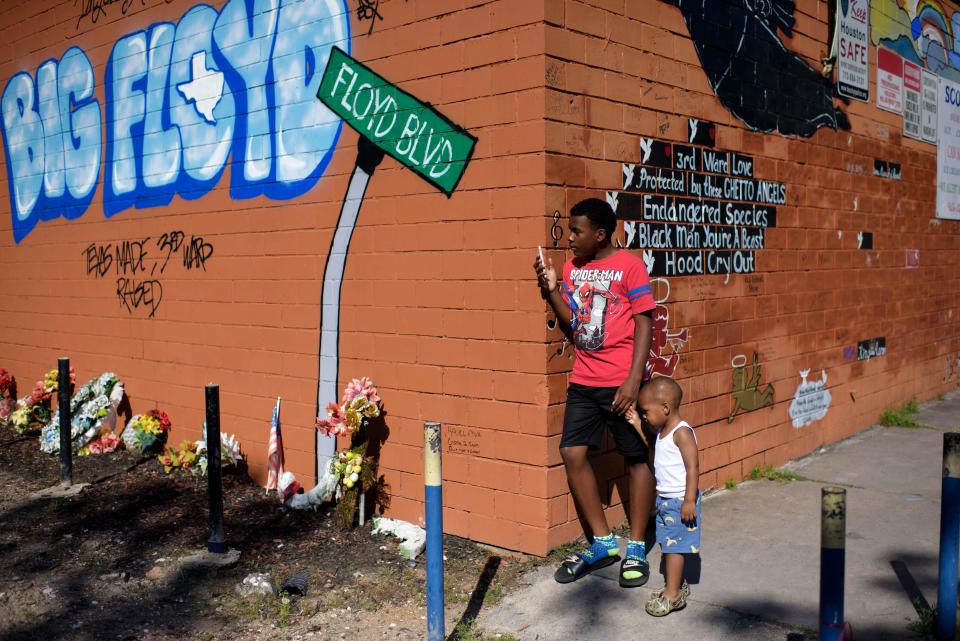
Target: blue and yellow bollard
833	533
949	538
434	519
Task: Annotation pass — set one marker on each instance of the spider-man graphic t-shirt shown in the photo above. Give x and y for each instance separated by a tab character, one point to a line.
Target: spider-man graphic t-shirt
603	296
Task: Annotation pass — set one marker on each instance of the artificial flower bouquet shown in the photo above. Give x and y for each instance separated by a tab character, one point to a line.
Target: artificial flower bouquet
192	455
93	413
356	473
360	401
8	395
33	411
184	458
145	433
229	451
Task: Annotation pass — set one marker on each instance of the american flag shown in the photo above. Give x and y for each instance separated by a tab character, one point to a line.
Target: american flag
274	450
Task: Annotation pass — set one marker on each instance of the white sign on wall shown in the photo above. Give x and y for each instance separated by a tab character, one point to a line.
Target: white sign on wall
948	150
853	54
811	400
928	100
912	109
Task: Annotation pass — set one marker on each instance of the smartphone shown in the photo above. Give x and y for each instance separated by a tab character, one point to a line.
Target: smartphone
540	252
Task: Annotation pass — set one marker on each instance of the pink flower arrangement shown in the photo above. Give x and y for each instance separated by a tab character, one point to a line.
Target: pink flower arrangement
360	387
105	444
360	401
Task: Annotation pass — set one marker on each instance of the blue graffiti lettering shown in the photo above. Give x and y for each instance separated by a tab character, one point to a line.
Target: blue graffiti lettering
180	99
51	133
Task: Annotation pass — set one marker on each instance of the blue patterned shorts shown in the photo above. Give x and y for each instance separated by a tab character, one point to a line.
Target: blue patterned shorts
674	536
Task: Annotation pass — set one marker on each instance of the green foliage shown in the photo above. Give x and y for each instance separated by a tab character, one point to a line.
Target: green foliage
925	625
731	484
468	631
902	417
565	550
780	475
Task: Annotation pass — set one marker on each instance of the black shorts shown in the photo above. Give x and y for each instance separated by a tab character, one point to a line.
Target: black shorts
588	409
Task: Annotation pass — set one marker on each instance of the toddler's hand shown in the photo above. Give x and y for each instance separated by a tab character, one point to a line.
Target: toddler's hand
633	417
688	512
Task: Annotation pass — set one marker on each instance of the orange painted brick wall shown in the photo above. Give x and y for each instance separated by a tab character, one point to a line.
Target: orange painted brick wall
438	302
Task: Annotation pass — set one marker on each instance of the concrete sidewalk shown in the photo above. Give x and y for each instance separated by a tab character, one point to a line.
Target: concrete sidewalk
761	554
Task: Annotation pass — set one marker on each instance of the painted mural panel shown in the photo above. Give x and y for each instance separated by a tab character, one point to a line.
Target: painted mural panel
182	101
755	75
921	31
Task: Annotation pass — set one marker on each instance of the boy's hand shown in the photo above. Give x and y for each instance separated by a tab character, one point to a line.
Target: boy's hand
688	512
626	397
546	275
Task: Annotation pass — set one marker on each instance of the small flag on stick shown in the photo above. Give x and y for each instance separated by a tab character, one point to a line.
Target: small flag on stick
274	450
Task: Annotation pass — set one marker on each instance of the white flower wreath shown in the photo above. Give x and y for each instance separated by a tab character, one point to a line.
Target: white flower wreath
93	410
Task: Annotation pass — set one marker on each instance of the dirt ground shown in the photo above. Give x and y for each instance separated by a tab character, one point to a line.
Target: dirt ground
101	564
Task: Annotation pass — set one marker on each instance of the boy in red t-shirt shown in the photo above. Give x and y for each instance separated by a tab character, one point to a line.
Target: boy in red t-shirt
603	305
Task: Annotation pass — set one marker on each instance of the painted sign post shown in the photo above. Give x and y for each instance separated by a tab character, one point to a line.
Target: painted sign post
912	107
889	80
390	121
948	150
853	67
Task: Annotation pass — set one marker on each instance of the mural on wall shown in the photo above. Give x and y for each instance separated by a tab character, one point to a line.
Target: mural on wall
389	121
181	100
699	210
665	345
748	66
811	400
747	395
921	31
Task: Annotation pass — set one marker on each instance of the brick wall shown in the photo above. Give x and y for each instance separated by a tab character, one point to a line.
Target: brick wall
438	302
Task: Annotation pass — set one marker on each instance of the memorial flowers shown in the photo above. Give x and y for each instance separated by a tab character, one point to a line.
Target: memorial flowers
184	458
33	411
229	451
107	443
145	433
93	412
192	455
360	401
351	472
8	395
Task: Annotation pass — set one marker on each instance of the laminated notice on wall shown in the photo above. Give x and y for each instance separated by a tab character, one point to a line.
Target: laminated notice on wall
889	80
912	109
928	112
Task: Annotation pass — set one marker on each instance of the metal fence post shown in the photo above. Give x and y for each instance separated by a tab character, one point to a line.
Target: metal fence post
217	541
66	432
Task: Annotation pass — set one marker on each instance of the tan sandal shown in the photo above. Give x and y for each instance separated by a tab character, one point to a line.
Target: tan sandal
661	606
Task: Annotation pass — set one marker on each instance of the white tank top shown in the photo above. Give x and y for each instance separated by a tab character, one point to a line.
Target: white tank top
668	464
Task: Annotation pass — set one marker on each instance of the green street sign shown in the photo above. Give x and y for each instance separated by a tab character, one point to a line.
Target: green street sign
412	132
